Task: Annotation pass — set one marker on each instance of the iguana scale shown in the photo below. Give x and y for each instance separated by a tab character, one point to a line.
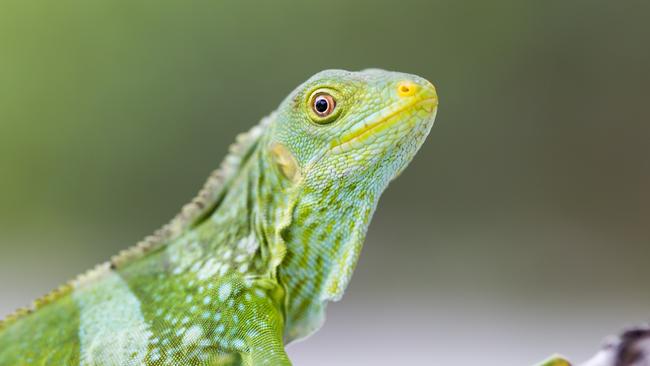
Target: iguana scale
250	264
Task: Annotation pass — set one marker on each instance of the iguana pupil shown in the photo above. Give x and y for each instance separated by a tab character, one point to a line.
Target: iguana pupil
321	104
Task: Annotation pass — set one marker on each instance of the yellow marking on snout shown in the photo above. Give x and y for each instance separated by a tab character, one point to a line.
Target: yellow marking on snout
382	123
406	89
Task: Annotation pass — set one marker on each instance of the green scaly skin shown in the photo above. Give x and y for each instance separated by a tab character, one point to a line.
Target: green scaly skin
249	265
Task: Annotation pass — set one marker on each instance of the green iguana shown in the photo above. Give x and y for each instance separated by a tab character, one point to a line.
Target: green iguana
250	264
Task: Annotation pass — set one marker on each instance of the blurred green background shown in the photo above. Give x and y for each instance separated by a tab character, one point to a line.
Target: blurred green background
522	228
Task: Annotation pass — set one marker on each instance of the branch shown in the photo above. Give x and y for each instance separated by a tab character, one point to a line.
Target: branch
632	348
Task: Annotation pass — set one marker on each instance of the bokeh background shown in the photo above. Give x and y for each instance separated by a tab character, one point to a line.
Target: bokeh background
522	228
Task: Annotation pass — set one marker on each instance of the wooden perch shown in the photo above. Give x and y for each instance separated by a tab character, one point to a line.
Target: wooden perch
632	348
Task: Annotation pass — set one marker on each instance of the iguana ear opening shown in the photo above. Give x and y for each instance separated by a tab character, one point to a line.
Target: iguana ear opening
285	161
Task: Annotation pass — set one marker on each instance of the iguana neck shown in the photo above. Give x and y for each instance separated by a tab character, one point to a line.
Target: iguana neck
252	207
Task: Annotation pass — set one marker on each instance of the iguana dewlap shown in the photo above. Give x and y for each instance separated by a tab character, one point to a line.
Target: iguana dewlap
251	262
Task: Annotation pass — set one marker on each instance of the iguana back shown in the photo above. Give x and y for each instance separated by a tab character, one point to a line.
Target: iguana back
51	330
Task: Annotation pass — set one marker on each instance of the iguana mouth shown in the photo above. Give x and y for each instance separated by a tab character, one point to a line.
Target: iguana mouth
380	121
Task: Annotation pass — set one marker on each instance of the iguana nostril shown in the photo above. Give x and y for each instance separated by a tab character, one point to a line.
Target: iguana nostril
406	88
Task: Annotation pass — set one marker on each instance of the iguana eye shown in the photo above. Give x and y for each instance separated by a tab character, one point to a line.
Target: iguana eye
323	104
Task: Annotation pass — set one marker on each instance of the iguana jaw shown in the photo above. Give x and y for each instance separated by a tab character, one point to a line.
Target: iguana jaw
395	119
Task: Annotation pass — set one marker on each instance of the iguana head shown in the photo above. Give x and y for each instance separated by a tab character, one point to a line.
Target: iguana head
338	140
338	125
